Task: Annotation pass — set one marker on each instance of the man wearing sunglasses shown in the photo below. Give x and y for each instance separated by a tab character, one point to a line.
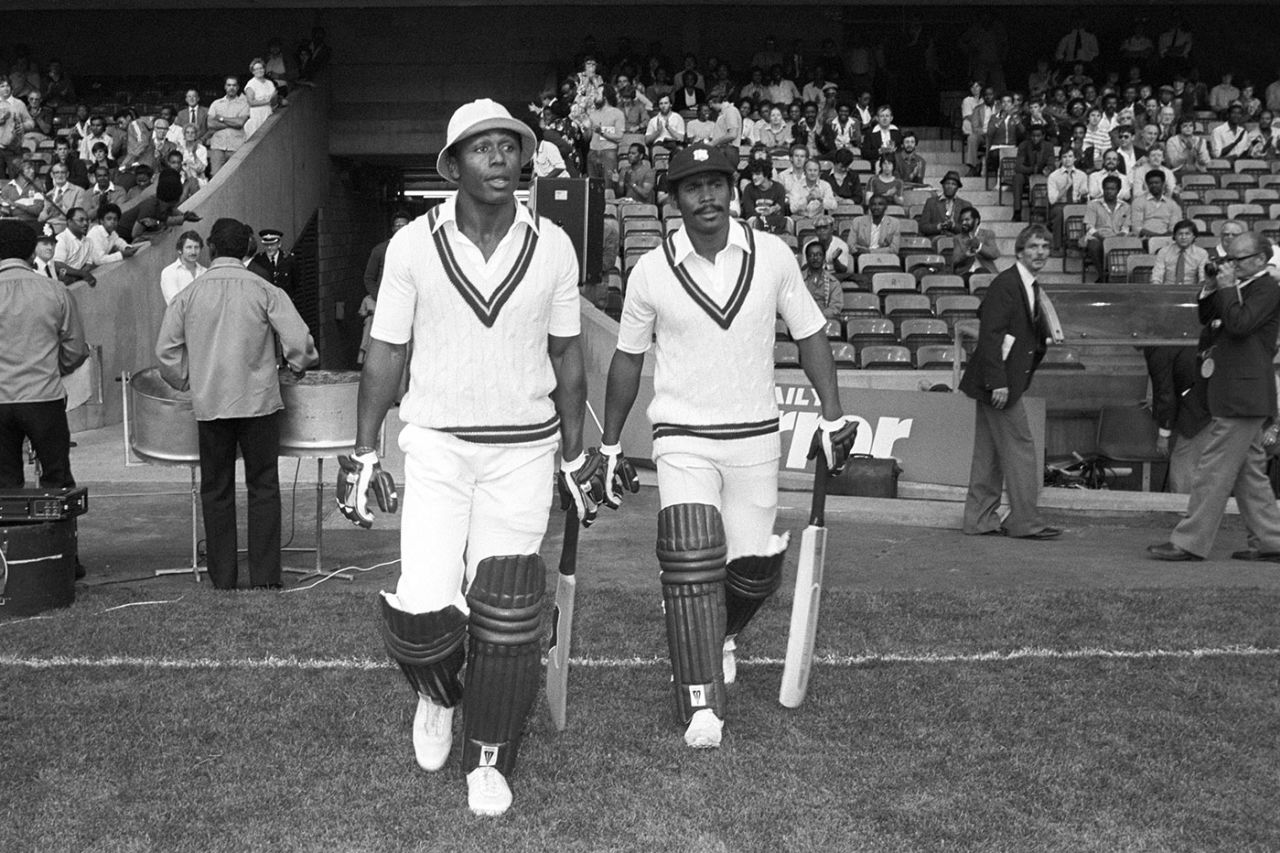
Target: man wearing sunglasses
1240	309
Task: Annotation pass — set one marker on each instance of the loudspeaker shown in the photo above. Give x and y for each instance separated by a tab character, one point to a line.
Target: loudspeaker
37	567
577	206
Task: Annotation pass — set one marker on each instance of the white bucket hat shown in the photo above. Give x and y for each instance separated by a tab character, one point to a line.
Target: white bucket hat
479	116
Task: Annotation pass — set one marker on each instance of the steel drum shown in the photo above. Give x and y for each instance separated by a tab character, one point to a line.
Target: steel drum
161	425
319	412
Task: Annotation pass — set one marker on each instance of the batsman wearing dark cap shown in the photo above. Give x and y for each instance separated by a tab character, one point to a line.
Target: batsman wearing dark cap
705	301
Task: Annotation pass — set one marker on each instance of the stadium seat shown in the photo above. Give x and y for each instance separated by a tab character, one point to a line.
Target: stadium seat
873	262
1249	213
1206	213
943	244
1268	181
1270	228
1223	196
786	354
1239	183
862	332
926	264
979	282
942	284
1155	244
641	242
914	241
780	330
1257	167
1219	167
860	303
834	330
638	210
1128	434
1038	195
885	358
1139	268
899	306
1198	182
907	225
883	283
952	308
1115	253
937	357
1004	177
844	354
917	332
897	211
1265	195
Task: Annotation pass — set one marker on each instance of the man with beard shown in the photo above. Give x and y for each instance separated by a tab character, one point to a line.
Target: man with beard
710	294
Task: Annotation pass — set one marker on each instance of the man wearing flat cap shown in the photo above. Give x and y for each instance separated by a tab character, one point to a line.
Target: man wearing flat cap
274	264
941	214
488	295
711	293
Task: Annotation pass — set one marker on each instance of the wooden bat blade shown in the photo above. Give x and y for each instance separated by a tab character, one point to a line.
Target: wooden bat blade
558	653
804	617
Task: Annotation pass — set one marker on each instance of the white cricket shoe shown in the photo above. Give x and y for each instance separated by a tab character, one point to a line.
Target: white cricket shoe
432	734
730	660
704	730
488	793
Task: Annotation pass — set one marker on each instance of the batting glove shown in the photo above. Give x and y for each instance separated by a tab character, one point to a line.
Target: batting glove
359	476
834	440
619	474
582	482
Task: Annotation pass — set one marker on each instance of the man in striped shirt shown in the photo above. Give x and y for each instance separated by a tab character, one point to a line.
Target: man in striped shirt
711	293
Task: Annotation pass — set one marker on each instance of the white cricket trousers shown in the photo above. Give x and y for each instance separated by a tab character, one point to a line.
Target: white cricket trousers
464	502
745	495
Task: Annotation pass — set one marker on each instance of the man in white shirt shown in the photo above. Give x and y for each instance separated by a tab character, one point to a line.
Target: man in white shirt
666	128
1182	262
1066	185
1110	166
1231	139
489	297
812	196
780	90
1079	45
705	302
105	245
185	269
73	256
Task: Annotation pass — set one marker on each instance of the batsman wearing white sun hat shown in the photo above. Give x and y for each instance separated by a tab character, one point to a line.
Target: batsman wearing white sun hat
488	294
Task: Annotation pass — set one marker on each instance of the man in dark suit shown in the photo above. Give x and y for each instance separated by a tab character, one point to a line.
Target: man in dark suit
191	113
1035	157
975	248
1180	409
1012	337
1241	320
273	263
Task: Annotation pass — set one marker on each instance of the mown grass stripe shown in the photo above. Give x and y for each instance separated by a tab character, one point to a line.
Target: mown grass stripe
838	661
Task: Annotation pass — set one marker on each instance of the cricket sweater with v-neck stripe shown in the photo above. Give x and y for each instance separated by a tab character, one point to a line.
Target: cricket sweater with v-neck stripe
711	326
480	368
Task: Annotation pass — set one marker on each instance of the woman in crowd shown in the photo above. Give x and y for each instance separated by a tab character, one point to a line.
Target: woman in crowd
884	182
776	133
195	156
844	182
261	94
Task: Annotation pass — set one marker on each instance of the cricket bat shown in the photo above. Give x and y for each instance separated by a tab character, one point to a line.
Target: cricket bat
804	606
562	622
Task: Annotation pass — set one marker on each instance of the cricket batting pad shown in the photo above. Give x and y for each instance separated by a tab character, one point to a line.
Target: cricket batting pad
748	582
505	670
691	554
428	647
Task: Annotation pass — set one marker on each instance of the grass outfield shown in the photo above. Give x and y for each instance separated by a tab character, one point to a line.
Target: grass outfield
109	750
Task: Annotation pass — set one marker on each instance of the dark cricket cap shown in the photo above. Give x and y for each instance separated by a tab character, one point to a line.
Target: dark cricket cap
697	159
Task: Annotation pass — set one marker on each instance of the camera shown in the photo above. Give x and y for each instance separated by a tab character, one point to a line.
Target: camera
1210	269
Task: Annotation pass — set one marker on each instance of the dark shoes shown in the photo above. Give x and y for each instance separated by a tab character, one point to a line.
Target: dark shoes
1169	551
1251	555
1042	533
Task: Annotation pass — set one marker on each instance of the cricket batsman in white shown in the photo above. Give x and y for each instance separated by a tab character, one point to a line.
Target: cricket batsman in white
489	296
706	301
